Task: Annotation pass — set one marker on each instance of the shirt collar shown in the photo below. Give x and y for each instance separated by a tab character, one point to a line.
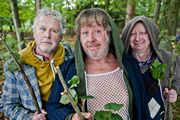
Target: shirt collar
143	64
39	56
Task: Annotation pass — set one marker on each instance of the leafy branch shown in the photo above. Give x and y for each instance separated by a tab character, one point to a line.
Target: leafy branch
157	70
17	65
68	94
157	67
109	115
171	75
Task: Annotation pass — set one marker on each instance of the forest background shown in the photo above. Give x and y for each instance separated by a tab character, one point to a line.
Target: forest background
16	17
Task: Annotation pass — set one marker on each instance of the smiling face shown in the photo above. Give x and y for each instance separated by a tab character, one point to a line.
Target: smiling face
94	40
139	39
47	35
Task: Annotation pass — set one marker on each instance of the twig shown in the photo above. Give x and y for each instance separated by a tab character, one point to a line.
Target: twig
66	92
3	39
171	74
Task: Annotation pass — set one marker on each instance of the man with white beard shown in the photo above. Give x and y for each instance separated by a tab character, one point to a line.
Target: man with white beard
39	58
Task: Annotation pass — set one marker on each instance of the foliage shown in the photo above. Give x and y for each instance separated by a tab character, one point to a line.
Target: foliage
17	64
145	7
13	45
109	115
64	99
71	45
5	14
113	106
71	8
157	70
165	41
74	82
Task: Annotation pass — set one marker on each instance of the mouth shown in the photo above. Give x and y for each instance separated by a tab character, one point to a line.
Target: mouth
138	43
93	47
46	42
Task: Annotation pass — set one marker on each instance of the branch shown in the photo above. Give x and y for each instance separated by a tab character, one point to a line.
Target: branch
171	75
3	39
66	92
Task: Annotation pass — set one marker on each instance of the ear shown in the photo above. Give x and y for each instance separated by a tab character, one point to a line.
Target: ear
60	37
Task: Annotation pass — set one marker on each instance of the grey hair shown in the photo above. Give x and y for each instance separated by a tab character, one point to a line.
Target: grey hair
51	13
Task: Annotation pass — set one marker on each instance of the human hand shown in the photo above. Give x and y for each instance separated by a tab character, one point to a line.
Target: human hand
85	115
40	116
170	95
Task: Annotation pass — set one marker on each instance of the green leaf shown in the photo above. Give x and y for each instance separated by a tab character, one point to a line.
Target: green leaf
157	70
115	117
154	73
64	100
73	92
155	64
102	115
6	56
74	81
163	67
76	98
12	66
161	77
113	106
86	97
1	71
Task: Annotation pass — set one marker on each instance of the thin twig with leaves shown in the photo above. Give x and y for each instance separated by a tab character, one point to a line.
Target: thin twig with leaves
170	77
3	39
165	44
68	94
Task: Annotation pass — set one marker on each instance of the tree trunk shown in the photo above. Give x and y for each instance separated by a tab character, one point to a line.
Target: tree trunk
172	16
11	28
17	24
107	6
1	25
38	5
130	12
156	11
71	32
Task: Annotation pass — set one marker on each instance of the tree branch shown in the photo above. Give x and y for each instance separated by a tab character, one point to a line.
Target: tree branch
66	92
3	39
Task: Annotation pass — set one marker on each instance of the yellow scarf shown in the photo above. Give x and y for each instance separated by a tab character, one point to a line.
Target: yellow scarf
43	68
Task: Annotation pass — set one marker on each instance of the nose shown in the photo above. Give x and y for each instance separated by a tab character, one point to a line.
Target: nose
47	34
138	37
91	37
